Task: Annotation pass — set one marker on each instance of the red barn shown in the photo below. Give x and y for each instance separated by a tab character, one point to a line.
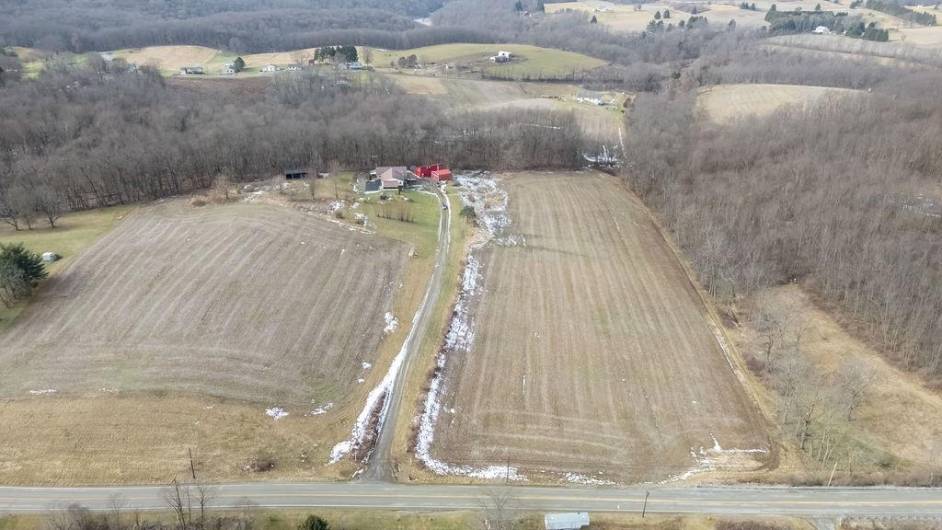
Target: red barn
435	173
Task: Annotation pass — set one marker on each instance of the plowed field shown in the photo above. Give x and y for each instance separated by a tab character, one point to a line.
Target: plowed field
592	351
249	302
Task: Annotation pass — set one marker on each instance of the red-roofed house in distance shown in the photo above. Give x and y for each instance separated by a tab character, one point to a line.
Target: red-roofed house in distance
435	173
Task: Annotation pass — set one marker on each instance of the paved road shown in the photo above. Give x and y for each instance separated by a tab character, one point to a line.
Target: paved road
818	503
378	467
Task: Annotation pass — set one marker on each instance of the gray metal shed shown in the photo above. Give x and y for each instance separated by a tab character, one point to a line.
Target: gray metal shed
566	521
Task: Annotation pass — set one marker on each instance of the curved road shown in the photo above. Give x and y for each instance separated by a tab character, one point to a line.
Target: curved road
759	501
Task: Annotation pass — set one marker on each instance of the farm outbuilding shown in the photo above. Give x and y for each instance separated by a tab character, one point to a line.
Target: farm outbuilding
392	177
435	173
295	174
566	521
192	70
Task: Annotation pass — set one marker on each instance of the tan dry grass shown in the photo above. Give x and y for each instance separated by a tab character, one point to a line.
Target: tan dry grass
593	352
144	438
168	58
930	37
726	103
619	17
900	416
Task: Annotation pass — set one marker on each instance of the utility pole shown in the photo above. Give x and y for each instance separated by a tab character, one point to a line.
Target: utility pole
644	507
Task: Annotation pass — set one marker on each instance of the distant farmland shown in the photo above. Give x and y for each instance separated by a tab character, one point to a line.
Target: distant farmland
592	352
725	103
530	62
248	302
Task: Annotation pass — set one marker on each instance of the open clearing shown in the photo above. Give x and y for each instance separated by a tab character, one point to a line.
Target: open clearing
928	37
246	302
592	351
530	62
599	123
169	58
726	103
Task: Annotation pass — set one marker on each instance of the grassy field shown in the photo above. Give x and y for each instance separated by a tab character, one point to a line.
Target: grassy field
899	417
530	62
592	352
726	103
74	233
887	53
923	37
600	123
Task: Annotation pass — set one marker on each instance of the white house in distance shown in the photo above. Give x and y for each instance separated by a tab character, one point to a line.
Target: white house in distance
268	68
821	30
229	69
592	98
502	57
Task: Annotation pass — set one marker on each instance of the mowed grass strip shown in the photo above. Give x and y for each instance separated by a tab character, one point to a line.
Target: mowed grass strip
593	352
529	61
726	103
250	302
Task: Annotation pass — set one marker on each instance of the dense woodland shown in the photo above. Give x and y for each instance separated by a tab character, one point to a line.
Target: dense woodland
89	136
240	25
842	197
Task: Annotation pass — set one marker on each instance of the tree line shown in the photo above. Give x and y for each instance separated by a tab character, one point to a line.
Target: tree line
91	136
87	25
833	196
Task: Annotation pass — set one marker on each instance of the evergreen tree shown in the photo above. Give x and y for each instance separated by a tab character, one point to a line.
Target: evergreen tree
313	522
239	64
594	20
667	13
657	15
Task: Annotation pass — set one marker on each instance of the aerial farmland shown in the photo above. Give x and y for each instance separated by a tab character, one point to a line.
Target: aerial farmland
589	356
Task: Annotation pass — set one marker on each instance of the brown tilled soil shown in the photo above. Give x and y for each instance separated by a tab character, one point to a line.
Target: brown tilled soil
250	302
593	352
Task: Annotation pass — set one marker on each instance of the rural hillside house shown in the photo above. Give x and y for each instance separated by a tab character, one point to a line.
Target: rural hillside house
391	177
502	57
229	69
592	98
566	521
192	70
435	173
268	68
821	30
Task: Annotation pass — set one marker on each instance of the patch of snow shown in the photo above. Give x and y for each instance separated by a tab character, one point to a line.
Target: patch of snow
711	459
361	380
489	202
322	409
108	390
276	413
43	392
577	478
366	366
392	323
334	206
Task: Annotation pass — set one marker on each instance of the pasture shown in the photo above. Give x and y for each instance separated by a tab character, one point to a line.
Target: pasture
592	352
726	103
600	123
530	62
619	17
169	59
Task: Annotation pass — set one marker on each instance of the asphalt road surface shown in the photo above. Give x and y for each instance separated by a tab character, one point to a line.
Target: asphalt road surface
378	466
756	501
